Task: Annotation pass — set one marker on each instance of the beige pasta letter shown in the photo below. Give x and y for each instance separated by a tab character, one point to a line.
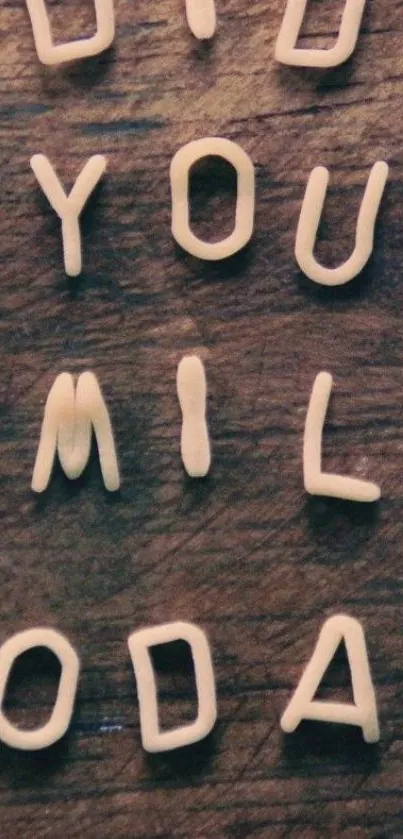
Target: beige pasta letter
363	711
69	208
201	18
153	739
67	428
195	444
50	53
181	165
59	721
309	219
327	483
287	53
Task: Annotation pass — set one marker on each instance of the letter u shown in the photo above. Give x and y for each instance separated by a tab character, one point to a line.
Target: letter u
309	219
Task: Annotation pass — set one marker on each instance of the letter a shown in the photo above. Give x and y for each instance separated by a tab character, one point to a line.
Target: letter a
363	711
67	427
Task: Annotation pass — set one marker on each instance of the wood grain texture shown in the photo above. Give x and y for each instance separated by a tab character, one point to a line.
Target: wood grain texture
245	553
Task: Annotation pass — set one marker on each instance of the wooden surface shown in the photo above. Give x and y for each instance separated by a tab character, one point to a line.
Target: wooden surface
245	553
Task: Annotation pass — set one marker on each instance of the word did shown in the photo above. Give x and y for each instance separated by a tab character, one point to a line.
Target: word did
201	18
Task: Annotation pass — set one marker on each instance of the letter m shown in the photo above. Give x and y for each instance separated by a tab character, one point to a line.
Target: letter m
69	418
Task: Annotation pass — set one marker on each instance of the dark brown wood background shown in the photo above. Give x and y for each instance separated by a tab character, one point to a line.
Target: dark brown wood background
245	553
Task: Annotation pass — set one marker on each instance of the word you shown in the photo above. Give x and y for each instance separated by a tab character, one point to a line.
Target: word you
70	207
362	712
72	413
201	18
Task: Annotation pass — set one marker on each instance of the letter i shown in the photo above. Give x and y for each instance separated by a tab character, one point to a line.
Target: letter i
195	444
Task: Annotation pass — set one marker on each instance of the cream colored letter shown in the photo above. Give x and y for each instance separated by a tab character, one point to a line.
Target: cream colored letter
60	717
309	219
195	444
48	53
67	428
363	711
287	53
316	481
69	208
153	739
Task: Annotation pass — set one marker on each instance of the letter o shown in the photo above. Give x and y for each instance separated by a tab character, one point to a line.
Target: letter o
181	164
60	718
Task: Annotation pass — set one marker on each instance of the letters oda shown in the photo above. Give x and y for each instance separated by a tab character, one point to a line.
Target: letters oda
361	712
